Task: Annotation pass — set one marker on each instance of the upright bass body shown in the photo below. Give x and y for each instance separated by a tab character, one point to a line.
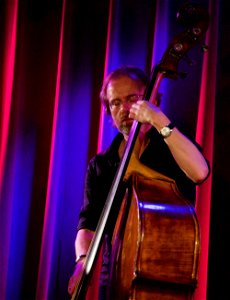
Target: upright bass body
155	244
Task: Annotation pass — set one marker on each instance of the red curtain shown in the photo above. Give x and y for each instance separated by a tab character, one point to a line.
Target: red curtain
54	56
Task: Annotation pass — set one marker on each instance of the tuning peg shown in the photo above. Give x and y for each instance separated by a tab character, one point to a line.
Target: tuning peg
204	47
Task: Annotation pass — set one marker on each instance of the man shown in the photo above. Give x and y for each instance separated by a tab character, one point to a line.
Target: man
168	152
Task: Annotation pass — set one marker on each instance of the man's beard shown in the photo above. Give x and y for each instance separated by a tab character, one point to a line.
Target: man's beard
125	129
125	124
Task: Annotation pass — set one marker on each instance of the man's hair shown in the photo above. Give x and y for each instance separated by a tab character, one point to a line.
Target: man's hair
134	73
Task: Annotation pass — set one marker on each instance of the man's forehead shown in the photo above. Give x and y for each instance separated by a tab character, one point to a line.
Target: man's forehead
122	86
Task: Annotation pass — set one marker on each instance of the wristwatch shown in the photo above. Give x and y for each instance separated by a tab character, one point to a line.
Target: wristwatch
167	130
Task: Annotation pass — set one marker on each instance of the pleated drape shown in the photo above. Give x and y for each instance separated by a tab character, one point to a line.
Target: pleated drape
205	136
54	56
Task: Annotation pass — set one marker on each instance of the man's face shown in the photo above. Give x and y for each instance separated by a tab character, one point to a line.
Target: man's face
121	94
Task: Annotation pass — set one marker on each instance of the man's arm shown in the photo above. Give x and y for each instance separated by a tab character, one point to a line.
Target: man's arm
186	154
82	242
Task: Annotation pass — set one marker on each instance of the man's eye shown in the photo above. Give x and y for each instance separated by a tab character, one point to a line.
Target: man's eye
115	103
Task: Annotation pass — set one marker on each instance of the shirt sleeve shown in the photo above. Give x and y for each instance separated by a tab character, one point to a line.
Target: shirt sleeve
98	180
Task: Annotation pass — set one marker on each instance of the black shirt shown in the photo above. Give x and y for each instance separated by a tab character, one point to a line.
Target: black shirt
102	169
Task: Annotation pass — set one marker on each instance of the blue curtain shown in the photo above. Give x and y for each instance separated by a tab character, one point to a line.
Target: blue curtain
53	58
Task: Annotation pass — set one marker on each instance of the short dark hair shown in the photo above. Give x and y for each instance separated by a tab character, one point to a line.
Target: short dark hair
128	71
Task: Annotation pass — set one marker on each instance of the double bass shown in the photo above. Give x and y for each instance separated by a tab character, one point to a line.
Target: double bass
156	241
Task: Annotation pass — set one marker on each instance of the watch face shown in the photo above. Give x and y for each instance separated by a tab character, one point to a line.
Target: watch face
165	131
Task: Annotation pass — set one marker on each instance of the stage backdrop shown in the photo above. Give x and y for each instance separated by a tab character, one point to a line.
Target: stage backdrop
54	55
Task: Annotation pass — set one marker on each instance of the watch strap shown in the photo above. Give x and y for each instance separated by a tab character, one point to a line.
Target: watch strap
170	125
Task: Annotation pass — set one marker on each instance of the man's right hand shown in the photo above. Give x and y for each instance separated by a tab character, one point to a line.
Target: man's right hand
75	278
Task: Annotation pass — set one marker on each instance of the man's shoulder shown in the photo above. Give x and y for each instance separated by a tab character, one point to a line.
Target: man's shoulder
110	154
